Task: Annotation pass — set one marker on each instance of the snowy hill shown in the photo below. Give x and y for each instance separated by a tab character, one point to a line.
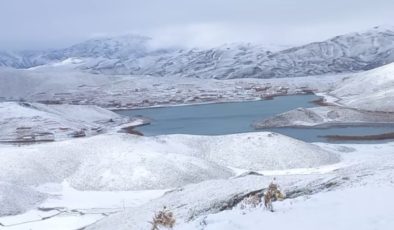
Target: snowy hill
325	116
127	162
371	90
132	54
120	162
30	122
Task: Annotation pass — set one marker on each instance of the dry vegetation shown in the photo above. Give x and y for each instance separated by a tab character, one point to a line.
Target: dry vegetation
272	193
163	218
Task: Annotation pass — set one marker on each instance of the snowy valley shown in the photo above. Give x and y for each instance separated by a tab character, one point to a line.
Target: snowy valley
71	161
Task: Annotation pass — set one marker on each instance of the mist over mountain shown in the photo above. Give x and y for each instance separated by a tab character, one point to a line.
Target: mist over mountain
133	55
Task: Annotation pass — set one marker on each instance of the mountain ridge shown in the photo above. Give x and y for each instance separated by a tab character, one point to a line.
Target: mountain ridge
132	55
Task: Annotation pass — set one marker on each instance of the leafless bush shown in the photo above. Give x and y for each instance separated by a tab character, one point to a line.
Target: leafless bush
273	193
251	201
163	218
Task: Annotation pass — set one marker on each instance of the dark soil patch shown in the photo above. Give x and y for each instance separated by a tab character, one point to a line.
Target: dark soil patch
378	137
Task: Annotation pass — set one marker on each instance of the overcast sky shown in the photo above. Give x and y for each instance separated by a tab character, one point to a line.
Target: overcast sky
38	24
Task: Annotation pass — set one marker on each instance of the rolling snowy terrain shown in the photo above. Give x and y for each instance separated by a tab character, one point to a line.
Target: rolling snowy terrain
124	162
59	190
342	193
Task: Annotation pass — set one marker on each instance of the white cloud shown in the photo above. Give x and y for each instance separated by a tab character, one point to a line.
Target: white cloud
48	23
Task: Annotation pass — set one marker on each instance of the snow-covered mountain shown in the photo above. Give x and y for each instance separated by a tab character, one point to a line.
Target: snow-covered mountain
346	53
132	54
122	48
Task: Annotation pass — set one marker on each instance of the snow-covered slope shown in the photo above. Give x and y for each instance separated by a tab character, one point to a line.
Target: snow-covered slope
25	122
104	162
260	151
127	162
341	210
132	55
15	199
325	116
345	53
227	61
341	193
371	90
121	48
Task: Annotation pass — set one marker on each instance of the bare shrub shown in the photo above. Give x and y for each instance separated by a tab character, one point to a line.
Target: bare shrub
273	193
163	218
252	201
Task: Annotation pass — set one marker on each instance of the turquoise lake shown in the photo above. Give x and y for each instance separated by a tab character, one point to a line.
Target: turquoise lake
237	117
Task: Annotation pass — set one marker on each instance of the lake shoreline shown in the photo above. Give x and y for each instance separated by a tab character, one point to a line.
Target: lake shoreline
266	98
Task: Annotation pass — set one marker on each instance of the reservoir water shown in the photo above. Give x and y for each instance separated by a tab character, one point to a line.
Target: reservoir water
237	117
